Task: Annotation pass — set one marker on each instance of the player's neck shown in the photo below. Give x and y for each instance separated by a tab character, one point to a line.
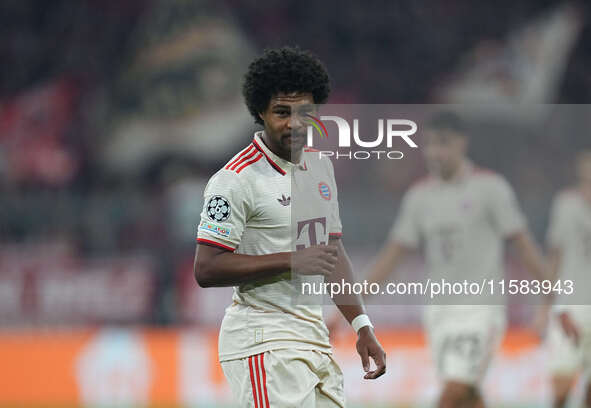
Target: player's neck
289	156
295	156
456	173
585	189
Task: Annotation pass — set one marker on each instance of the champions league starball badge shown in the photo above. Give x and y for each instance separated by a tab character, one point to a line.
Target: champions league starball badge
218	208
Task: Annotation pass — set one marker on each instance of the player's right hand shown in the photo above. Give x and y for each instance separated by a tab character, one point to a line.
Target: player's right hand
315	260
569	327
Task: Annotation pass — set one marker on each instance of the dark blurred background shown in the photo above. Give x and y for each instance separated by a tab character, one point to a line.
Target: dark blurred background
113	115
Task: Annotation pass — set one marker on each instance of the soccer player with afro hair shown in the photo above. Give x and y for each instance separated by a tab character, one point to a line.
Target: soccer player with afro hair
273	347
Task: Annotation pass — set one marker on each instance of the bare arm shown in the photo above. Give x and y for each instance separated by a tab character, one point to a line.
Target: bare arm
566	322
554	260
390	256
530	254
352	306
218	267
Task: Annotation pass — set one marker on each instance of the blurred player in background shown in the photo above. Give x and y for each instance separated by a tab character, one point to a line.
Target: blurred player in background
274	351
460	215
569	241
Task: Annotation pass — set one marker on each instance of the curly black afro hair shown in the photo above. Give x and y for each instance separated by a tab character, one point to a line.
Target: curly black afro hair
287	70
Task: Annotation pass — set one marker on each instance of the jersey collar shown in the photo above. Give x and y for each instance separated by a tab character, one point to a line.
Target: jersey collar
466	169
280	165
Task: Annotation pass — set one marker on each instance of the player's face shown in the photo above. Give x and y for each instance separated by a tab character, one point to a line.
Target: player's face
285	129
444	152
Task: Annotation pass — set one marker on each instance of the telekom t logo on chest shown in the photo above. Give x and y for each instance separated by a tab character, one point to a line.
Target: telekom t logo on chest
312	237
387	131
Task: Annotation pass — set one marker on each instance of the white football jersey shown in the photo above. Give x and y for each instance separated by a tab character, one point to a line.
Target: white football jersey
461	225
570	232
260	204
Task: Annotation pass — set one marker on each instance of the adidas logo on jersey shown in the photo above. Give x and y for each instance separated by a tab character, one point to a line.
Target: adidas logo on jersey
284	201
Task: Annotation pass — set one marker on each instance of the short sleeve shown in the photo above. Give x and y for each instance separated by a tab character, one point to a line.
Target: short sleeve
505	209
558	228
336	226
406	229
225	211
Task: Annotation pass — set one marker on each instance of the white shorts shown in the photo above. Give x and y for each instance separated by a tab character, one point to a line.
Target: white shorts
565	357
463	343
286	378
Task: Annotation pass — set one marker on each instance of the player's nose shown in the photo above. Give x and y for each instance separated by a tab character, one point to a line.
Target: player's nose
294	122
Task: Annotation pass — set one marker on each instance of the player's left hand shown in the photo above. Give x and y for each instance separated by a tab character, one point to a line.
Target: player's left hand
541	320
368	346
569	327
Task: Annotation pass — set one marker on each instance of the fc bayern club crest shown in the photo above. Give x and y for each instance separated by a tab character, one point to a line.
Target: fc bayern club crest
218	208
324	190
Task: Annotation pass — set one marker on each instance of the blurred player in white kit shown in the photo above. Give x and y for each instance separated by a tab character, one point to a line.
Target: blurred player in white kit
569	248
460	216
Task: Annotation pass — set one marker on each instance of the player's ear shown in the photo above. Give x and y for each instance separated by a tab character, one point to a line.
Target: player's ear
261	116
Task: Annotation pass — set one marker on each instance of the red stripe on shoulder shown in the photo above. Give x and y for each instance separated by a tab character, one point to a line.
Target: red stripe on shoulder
483	171
214	243
422	180
242	153
570	190
248	163
242	160
310	149
271	162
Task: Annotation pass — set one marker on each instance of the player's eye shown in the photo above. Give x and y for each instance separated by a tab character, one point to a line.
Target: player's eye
282	112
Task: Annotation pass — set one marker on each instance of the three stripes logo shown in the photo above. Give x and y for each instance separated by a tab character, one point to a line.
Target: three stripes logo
258	380
251	154
246	157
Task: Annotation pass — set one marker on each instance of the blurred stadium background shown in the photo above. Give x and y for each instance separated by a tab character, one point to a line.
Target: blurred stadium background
113	114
